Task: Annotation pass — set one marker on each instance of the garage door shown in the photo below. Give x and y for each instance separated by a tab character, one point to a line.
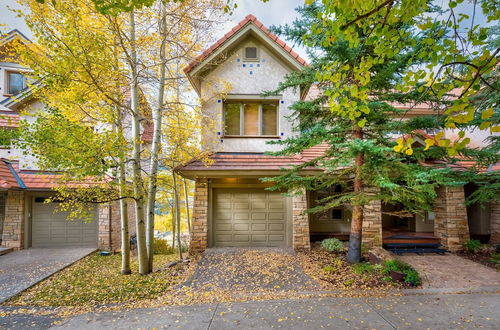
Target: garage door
52	229
249	217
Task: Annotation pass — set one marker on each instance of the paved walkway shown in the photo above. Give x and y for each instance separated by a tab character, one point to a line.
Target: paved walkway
411	312
22	269
451	271
250	270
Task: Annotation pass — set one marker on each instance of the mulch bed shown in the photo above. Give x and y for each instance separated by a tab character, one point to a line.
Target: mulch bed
333	272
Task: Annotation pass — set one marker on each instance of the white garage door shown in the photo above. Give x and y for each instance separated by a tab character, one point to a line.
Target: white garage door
52	229
249	217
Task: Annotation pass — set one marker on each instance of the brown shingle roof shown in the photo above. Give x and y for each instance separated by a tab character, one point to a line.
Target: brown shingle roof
250	19
253	161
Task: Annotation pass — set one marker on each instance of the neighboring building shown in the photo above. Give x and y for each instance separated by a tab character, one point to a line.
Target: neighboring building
25	219
231	205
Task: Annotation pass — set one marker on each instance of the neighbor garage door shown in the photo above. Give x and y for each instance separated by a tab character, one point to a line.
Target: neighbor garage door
249	217
52	229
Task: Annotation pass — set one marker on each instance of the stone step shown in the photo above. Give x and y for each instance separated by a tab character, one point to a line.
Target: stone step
5	250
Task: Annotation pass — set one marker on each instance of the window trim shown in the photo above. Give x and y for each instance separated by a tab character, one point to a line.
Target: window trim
6	80
247	59
242	119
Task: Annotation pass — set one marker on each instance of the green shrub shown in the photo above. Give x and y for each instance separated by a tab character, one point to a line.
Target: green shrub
332	245
329	269
160	246
495	259
411	275
362	268
473	246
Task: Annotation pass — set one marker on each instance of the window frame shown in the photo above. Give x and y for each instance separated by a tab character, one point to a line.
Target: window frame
242	118
6	86
250	59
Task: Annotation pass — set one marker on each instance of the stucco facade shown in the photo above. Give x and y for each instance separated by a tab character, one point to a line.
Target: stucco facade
236	79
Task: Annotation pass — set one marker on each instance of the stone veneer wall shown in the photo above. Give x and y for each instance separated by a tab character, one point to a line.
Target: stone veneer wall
495	222
13	226
104	230
300	222
199	226
372	224
450	224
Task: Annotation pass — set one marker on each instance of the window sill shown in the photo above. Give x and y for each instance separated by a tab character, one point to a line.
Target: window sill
250	137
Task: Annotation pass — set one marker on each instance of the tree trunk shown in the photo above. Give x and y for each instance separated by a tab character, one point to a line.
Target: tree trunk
173	226
355	237
125	239
136	155
186	196
155	146
177	214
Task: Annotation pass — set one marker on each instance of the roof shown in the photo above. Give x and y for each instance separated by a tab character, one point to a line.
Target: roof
248	162
8	176
249	19
9	119
13	35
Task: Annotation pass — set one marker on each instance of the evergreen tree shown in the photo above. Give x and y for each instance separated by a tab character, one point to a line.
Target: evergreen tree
372	153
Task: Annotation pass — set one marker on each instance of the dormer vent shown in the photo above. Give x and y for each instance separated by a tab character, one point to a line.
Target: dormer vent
251	54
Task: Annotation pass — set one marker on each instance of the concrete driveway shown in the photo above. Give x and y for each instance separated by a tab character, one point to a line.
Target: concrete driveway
250	270
22	269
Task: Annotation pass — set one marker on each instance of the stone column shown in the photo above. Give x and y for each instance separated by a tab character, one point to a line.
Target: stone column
13	226
199	228
450	224
495	222
104	214
372	223
300	222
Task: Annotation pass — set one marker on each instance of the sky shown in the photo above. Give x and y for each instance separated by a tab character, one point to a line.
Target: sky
273	12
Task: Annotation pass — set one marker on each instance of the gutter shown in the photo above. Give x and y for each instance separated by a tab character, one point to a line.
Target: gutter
15	175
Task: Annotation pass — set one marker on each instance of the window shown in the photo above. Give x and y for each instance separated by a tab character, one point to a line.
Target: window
251	118
251	54
15	82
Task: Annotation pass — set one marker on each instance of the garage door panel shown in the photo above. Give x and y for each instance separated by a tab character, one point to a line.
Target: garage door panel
241	216
258	205
259	227
241	238
276	227
277	238
259	238
241	227
224	215
223	227
276	216
241	206
259	216
275	205
224	238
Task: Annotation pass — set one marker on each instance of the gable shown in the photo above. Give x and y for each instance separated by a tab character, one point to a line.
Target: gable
248	31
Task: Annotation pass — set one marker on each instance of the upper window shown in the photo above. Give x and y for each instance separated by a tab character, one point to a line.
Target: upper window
251	118
16	82
251	54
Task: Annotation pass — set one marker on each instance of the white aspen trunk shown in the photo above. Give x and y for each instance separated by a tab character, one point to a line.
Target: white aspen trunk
177	214
186	196
155	146
173	226
125	239
136	155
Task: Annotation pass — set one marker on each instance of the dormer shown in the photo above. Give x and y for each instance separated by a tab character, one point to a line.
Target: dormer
230	77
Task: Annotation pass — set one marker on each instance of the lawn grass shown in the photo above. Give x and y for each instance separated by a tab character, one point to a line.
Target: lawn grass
96	280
